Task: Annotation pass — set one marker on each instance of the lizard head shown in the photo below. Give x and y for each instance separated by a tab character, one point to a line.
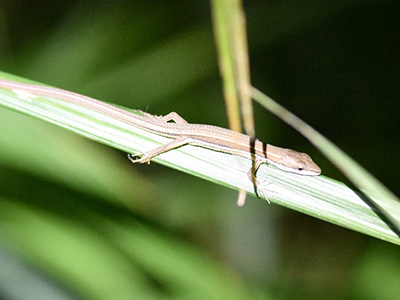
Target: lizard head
297	162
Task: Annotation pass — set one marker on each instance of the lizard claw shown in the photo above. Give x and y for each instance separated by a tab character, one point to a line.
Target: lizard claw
139	158
261	188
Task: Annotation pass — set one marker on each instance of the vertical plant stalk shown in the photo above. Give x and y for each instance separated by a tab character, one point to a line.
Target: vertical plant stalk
231	39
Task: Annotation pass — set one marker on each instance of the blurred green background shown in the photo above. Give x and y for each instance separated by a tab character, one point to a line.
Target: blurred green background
77	220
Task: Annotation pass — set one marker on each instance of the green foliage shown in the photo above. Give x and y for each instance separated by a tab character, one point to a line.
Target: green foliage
79	213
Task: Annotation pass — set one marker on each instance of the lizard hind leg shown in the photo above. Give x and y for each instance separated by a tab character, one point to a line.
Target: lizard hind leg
171	117
147	156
